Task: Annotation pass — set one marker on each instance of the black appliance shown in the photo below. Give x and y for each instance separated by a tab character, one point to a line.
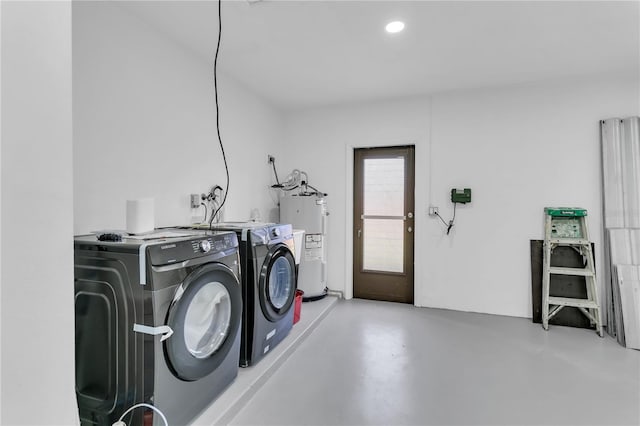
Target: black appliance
157	321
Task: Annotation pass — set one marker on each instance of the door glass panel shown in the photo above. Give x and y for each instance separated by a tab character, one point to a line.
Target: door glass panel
384	186
383	245
280	284
207	320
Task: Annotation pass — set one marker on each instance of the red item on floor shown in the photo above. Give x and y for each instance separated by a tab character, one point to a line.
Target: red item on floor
297	306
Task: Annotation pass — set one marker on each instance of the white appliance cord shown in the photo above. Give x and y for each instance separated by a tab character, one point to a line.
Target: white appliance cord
121	423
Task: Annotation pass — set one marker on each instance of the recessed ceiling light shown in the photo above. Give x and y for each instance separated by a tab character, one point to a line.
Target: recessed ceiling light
395	27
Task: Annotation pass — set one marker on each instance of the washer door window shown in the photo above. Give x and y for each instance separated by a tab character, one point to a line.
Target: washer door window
207	321
205	317
277	283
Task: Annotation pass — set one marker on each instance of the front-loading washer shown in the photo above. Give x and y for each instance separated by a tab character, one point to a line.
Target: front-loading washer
157	321
268	285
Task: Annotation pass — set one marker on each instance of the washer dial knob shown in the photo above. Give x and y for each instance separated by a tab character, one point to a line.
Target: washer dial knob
275	232
205	246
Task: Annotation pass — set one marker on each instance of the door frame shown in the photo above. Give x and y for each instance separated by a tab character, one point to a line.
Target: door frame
348	212
384	280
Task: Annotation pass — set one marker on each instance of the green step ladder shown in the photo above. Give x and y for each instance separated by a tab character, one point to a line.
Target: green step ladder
567	226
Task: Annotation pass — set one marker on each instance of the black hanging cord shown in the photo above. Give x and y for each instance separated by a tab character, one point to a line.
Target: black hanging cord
452	220
273	163
215	89
438	214
450	224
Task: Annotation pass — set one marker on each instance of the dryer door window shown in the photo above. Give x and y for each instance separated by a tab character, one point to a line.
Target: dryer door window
207	320
205	317
277	283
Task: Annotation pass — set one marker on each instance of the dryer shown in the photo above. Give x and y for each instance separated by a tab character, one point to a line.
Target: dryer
157	321
268	285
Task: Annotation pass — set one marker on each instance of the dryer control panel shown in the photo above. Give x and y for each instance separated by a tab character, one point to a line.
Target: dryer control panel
173	251
279	233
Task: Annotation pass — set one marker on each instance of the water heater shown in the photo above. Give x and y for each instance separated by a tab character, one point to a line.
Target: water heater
308	212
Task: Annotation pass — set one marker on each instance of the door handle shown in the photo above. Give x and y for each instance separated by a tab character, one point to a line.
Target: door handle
410	215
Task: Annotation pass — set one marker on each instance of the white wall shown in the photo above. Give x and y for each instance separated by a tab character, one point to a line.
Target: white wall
144	125
321	142
518	148
37	215
0	213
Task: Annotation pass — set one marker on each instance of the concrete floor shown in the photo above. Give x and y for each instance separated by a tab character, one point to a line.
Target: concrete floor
377	363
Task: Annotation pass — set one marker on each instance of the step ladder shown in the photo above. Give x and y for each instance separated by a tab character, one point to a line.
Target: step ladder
568	227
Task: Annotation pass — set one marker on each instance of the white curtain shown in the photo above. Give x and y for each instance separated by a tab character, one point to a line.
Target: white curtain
621	190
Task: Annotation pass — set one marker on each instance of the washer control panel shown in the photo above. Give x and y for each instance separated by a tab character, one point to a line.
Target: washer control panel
204	246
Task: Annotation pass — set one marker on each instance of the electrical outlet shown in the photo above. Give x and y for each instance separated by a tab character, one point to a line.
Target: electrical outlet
195	201
433	211
271	159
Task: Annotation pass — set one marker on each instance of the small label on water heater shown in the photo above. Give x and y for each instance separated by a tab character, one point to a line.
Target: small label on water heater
313	247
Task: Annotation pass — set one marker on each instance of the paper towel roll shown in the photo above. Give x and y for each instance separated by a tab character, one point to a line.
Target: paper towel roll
140	216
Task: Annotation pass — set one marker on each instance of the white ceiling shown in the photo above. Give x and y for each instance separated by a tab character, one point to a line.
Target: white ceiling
306	53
